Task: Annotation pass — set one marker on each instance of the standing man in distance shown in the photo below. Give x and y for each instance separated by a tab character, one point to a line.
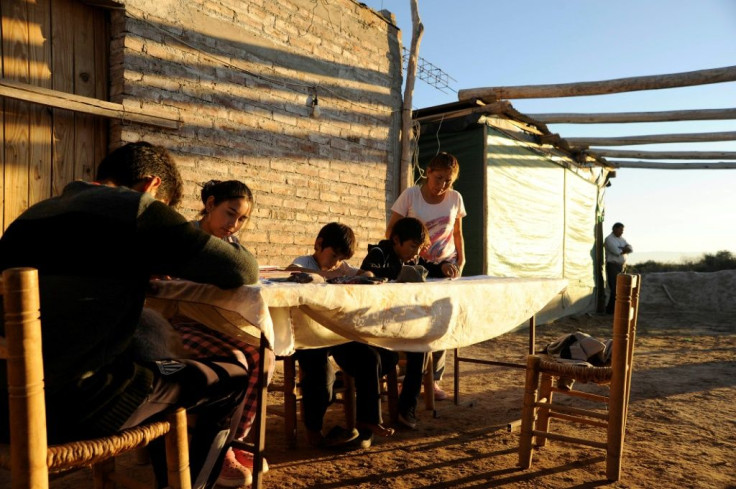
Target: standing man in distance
616	250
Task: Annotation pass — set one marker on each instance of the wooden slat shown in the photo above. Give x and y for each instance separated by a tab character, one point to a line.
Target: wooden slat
102	49
665	155
17	113
84	85
59	98
39	180
619	85
62	71
693	165
619	117
570	439
701	137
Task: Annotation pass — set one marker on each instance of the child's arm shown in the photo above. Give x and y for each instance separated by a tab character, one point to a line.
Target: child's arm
457	235
395	216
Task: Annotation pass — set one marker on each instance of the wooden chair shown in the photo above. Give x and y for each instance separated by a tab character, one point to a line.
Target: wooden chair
28	457
345	393
539	407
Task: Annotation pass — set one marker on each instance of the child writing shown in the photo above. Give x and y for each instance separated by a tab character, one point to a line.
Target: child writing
335	243
441	208
408	237
227	207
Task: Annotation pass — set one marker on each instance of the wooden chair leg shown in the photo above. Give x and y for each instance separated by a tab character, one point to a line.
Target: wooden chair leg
428	381
456	377
542	417
528	412
290	401
103	474
177	451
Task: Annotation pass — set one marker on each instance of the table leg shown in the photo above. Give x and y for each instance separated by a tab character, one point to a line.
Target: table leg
259	425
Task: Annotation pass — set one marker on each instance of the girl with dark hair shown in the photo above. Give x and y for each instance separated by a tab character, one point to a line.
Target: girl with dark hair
227	207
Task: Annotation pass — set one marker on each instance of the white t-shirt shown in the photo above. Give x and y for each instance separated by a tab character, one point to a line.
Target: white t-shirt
439	219
308	262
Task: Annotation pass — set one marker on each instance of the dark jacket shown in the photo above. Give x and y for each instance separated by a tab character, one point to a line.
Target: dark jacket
96	248
383	261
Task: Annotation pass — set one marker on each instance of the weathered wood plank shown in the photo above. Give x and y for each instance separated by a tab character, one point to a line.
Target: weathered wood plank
84	85
17	113
665	155
102	50
85	105
696	165
653	139
619	117
62	71
39	48
619	85
2	139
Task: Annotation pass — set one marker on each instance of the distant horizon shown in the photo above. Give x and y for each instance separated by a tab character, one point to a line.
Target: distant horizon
667	256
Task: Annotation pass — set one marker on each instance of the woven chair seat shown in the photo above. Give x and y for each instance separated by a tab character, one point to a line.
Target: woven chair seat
581	373
28	450
78	454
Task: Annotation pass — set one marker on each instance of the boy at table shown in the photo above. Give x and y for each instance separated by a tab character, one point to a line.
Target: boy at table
96	246
388	259
335	243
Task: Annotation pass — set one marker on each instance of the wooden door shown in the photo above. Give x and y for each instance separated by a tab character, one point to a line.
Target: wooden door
61	45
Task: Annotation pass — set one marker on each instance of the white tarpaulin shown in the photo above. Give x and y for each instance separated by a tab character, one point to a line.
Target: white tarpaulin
541	220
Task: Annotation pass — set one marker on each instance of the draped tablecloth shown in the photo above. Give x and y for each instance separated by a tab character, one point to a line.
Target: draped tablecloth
428	316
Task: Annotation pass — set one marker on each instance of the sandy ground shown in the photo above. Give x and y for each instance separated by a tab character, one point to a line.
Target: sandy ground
681	428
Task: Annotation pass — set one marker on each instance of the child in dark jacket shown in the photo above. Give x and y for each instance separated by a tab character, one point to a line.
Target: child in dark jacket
396	259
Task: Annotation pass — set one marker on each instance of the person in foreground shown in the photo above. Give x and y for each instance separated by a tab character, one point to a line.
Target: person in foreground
334	244
96	246
441	209
616	250
387	259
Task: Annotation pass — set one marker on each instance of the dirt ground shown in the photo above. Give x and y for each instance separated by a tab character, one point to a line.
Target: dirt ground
681	427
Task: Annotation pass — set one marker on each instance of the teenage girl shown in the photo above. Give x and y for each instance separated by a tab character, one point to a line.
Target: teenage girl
227	207
441	209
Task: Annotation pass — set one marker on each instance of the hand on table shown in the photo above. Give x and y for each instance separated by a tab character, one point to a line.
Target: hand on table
450	270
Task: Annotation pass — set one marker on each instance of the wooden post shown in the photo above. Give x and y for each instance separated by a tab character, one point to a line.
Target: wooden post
407	132
619	85
618	117
695	165
665	155
28	445
699	137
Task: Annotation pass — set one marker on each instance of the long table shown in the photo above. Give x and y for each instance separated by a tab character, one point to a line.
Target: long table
284	316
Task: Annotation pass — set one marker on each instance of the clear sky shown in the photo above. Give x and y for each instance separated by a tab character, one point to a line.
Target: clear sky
484	43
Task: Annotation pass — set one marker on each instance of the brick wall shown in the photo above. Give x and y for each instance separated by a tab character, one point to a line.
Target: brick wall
238	75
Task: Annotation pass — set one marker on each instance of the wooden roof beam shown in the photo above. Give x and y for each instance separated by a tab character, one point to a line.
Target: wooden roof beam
653	139
662	155
716	165
653	82
619	117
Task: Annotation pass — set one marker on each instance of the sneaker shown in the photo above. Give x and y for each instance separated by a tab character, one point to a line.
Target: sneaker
408	419
337	437
439	394
365	438
246	460
233	474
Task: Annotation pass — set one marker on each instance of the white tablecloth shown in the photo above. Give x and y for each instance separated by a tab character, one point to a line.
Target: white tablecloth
435	315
